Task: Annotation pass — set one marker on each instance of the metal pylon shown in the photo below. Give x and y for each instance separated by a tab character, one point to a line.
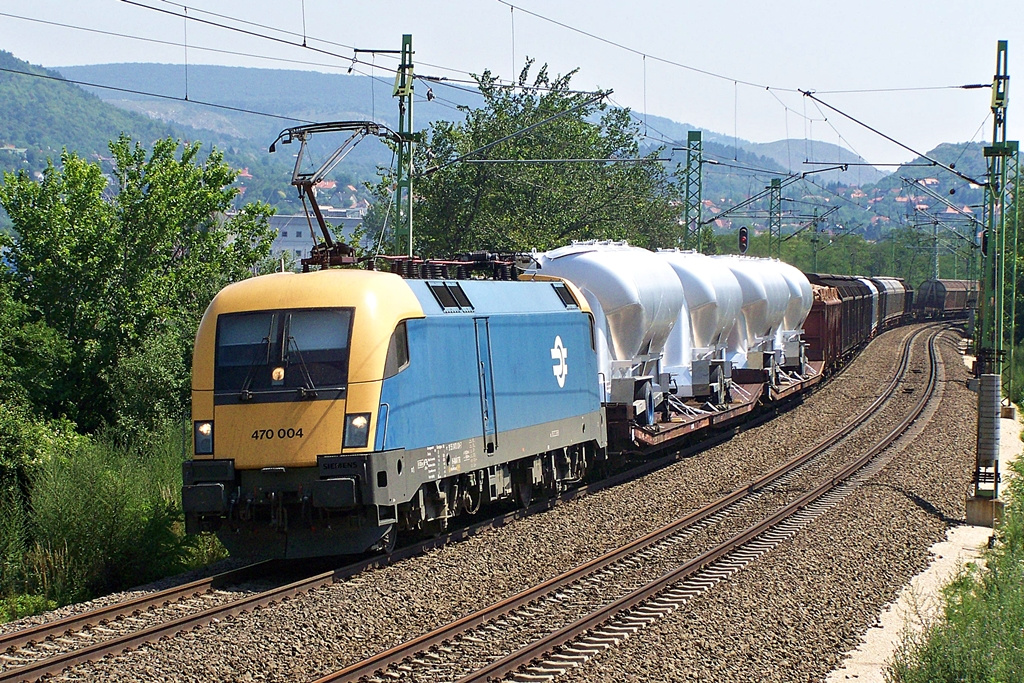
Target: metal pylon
1011	223
775	218
403	187
694	180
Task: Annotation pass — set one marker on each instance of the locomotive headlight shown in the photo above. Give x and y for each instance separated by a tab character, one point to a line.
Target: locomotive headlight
204	437
277	376
357	430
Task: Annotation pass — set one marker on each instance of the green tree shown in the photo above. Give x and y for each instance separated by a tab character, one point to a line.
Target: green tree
120	271
518	206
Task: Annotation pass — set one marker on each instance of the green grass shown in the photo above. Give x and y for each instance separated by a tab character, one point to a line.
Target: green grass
980	635
99	517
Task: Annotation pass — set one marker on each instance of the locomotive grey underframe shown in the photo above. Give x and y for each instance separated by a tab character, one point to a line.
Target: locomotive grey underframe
369	487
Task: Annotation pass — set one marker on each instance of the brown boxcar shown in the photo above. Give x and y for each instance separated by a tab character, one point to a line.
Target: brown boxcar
946	298
858	309
823	327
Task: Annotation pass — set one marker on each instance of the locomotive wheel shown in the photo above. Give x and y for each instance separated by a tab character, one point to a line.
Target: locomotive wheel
524	492
388	541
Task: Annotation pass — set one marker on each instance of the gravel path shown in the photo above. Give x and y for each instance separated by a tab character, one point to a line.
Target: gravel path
318	632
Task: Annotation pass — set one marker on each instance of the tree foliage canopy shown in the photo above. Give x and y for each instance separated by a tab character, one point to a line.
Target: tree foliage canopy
114	273
506	207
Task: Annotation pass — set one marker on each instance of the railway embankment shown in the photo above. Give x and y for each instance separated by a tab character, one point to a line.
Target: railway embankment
920	605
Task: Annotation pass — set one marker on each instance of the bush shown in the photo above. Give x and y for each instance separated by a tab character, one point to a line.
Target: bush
103	518
26	442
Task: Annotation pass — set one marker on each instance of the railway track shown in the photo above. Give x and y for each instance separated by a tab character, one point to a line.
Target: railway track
563	622
50	648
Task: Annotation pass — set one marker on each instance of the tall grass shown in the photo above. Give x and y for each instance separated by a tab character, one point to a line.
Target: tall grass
101	516
1013	375
980	636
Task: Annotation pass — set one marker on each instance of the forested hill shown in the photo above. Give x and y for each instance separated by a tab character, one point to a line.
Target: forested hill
301	96
41	117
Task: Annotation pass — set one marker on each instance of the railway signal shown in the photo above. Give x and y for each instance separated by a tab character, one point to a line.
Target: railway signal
743	239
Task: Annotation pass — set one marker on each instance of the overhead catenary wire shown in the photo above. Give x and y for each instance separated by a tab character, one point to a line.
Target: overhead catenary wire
609	160
449	82
637	52
810	95
169	43
133	91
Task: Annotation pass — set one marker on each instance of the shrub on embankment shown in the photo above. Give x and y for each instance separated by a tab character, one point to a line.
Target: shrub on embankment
98	516
980	635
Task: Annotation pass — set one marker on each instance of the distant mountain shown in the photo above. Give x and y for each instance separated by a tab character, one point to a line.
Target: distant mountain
790	155
314	96
292	97
40	117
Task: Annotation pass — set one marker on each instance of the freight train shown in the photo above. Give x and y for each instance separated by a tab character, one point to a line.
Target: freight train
332	409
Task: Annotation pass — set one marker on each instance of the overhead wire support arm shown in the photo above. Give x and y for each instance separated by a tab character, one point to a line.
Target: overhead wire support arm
788	180
811	223
638	160
938	197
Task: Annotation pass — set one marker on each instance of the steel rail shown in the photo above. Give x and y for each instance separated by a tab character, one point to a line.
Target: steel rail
397	654
52	629
536	650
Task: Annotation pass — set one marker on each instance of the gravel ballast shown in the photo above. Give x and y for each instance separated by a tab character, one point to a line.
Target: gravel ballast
311	635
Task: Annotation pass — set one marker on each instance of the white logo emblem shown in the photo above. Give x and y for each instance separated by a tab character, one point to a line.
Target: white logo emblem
561	368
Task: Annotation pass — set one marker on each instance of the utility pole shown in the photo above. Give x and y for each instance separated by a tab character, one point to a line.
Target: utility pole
694	182
984	506
814	241
935	250
403	186
775	219
1013	176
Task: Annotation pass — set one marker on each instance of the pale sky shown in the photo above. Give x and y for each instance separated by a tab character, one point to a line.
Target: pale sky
761	52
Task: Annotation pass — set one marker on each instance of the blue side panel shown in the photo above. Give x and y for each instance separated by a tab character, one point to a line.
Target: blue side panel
437	398
525	379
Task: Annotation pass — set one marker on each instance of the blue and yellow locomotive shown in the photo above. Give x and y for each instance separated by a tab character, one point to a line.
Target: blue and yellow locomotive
333	408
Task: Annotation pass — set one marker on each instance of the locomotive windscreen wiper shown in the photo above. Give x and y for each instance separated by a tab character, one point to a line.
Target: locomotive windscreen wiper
245	394
308	390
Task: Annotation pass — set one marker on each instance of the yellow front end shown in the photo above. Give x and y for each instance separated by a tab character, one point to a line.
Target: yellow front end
288	430
259	435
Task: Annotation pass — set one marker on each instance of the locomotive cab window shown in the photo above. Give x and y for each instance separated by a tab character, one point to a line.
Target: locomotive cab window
563	292
398	352
284	352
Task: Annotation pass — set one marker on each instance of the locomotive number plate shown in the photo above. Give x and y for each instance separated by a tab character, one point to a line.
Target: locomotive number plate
268	434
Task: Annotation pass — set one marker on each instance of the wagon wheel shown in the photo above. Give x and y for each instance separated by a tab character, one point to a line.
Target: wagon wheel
522	486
